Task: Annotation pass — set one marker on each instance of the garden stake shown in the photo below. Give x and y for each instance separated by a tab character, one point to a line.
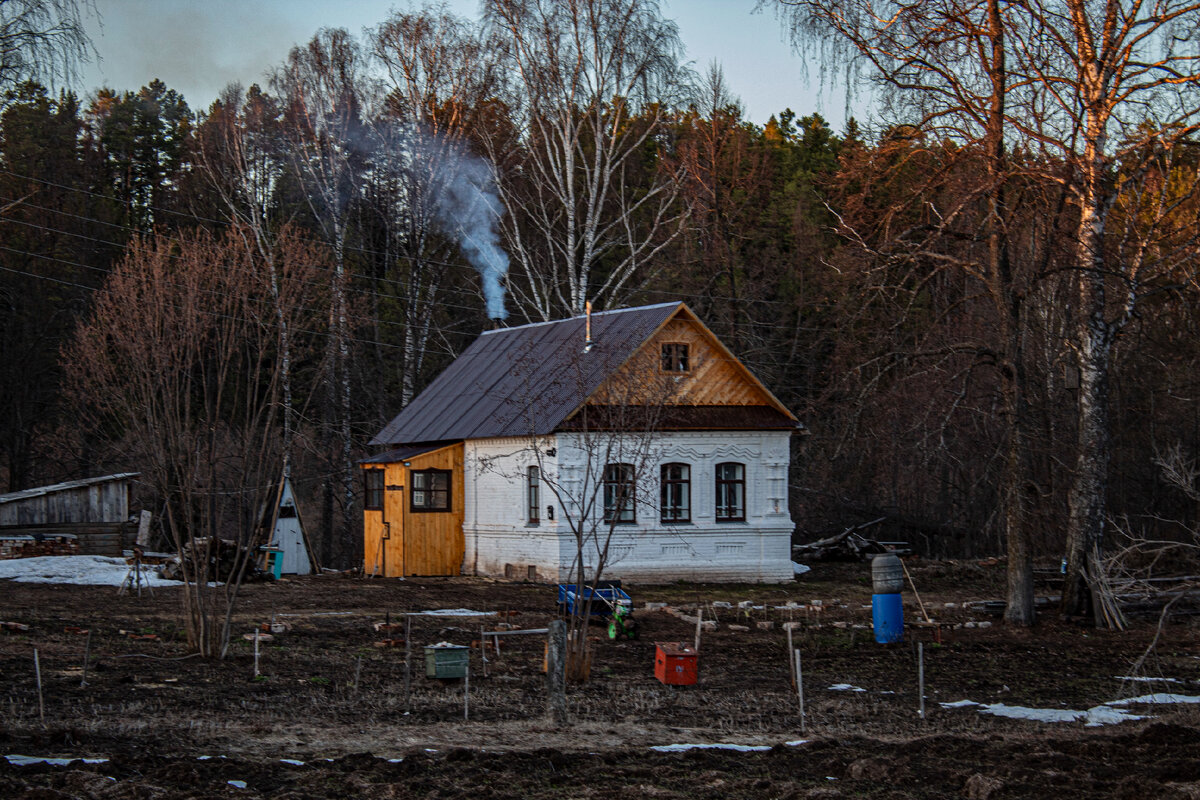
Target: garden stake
87	651
800	690
483	650
921	676
256	673
37	672
699	618
467	691
791	666
407	663
357	673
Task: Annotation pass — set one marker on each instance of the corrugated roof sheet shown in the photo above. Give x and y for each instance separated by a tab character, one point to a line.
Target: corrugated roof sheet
525	380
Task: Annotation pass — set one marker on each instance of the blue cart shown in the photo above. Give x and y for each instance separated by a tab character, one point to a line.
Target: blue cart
609	602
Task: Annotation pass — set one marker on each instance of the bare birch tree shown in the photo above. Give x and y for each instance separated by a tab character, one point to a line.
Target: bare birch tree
42	40
439	75
323	86
1117	85
1092	90
589	206
944	66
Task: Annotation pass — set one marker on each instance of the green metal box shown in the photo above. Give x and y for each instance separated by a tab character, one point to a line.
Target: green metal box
446	660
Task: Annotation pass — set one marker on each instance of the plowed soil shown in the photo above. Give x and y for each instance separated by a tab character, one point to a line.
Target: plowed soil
329	715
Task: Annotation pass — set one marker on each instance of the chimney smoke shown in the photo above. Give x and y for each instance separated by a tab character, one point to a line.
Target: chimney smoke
467	207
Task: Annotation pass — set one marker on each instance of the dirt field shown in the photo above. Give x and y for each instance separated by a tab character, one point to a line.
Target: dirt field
180	727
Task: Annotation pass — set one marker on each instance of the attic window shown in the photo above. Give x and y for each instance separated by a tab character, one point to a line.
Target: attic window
675	357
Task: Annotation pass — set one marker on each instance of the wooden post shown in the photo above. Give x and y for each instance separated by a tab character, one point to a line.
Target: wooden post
483	650
256	652
407	663
357	673
921	676
87	652
467	690
37	673
699	620
791	664
143	534
556	681
800	691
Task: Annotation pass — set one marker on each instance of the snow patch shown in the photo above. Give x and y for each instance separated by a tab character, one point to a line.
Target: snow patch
800	569
454	612
845	687
1157	699
237	784
741	748
1111	713
24	761
76	570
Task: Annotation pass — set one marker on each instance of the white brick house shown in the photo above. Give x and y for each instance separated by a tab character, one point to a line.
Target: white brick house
635	430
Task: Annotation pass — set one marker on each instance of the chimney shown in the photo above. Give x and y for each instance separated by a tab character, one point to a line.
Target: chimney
587	341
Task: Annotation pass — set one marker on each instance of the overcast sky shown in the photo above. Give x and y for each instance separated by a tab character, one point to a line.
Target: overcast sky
198	46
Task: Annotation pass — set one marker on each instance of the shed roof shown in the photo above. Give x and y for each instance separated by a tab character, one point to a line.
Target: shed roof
39	491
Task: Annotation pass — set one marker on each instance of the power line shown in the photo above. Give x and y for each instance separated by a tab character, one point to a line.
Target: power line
176	256
190	310
351	248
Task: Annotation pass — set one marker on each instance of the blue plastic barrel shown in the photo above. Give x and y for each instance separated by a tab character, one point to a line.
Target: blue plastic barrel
887	612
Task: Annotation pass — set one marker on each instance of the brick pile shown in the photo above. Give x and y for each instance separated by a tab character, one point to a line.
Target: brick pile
29	547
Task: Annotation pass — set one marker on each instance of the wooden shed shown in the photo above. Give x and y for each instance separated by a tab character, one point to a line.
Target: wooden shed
413	512
96	511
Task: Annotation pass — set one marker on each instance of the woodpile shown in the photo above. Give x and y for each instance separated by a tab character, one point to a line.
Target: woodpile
849	545
214	559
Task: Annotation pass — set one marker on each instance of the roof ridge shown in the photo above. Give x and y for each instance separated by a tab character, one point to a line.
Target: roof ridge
581	316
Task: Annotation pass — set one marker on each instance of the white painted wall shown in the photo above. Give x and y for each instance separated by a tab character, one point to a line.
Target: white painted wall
497	533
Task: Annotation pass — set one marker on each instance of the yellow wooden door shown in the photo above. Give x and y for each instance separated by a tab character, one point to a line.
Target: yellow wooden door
393	531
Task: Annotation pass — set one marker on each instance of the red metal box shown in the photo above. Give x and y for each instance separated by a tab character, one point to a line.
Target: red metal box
675	663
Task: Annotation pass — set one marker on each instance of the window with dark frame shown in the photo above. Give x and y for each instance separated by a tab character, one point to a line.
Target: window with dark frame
619	493
533	479
373	483
430	490
675	357
676	505
731	492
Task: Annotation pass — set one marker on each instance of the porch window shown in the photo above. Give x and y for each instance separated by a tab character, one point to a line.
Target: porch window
430	490
533	479
618	493
676	505
675	357
373	483
731	492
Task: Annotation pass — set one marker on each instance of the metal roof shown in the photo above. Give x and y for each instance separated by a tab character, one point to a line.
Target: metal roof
38	491
401	454
525	380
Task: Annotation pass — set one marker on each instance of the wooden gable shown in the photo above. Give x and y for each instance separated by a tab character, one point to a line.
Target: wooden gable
713	375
